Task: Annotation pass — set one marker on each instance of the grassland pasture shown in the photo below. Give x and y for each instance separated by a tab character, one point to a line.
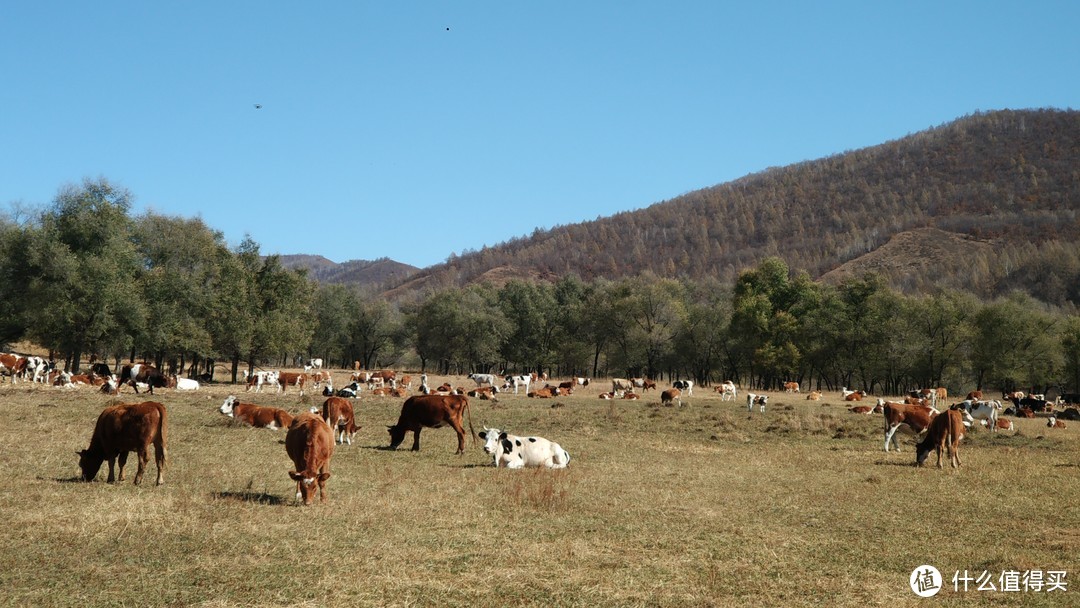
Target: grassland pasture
700	505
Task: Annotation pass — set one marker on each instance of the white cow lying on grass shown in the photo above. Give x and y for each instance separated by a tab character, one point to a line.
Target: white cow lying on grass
515	452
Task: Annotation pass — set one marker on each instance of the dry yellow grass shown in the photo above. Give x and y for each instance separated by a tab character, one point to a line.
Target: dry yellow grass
702	505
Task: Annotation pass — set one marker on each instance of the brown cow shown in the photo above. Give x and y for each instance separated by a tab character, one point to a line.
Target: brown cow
1054	423
256	415
945	431
914	418
791	387
338	413
123	428
13	364
297	379
310	444
670	396
974	396
432	411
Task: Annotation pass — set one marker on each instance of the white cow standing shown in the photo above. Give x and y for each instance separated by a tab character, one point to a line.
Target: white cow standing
728	391
517	381
482	379
516	452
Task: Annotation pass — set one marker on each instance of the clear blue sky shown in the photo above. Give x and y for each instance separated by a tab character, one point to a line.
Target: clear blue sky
413	130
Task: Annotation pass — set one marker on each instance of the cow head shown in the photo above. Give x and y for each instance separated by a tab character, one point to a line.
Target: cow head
397	435
306	484
90	464
227	407
491	439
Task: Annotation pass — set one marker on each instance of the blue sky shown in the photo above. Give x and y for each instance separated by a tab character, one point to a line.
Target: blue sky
414	130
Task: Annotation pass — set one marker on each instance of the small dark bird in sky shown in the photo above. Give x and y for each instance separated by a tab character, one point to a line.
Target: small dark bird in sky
258	106
448	29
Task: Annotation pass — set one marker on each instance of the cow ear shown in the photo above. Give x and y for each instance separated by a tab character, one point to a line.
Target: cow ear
296	476
324	476
482	434
502	436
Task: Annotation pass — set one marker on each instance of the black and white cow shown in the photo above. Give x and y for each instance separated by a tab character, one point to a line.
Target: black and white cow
686	386
514	452
519	381
753	399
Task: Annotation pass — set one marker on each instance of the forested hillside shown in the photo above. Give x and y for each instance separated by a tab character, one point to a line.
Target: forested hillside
1006	178
362	273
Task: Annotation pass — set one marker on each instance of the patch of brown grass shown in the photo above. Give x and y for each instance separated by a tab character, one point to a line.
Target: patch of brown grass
699	506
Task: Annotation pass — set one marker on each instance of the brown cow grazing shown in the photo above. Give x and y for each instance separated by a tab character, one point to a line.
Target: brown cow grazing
256	415
974	396
310	444
791	387
14	365
142	372
911	418
432	411
123	428
945	431
294	378
338	413
670	396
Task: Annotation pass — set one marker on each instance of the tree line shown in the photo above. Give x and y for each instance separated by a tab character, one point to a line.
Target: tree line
84	278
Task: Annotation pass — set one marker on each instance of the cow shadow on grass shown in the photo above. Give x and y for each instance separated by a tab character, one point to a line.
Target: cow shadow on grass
75	479
896	463
261	498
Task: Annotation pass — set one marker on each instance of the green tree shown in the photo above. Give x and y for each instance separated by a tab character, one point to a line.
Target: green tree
84	272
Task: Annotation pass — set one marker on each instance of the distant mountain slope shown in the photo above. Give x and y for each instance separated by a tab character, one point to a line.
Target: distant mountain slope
376	273
1010	176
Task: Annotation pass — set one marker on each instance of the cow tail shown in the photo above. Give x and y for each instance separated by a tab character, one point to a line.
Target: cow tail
471	430
162	435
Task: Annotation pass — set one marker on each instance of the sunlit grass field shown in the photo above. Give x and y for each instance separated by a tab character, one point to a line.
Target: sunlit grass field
700	505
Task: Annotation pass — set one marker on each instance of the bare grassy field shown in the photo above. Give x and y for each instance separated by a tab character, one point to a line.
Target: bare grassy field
702	505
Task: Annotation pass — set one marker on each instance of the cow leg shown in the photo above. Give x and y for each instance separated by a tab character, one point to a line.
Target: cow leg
460	437
416	440
144	457
159	460
112	462
890	435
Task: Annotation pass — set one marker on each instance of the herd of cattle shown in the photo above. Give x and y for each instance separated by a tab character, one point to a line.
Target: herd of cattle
312	435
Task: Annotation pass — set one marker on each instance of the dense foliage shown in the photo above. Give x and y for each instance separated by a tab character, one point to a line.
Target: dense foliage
1009	177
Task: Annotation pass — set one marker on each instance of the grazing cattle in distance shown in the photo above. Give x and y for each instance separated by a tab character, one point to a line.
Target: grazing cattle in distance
319	377
514	452
813	396
296	379
338	413
482	379
670	396
566	388
544	393
791	387
123	428
684	385
753	399
520	381
944	432
727	391
1030	402
13	364
309	444
1010	395
258	379
620	386
1054	423
913	419
256	415
974	396
582	381
854	396
941	395
142	373
314	364
431	411
101	369
984	410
